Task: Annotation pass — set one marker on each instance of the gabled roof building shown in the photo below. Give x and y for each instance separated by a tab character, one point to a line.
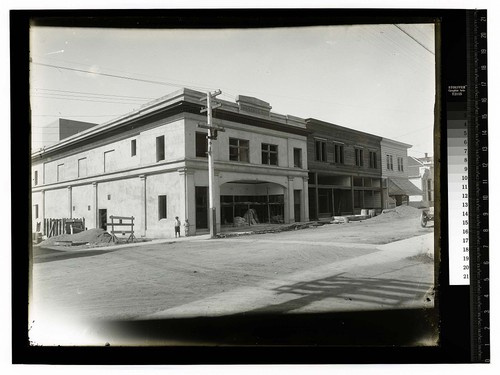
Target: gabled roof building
421	174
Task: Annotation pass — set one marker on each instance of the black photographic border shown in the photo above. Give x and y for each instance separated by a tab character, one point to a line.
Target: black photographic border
454	302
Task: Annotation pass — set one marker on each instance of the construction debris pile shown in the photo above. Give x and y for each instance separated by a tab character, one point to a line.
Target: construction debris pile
94	237
398	213
239	221
249	218
278	219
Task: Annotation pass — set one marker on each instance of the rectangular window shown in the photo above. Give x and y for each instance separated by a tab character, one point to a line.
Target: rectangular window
201	145
60	172
82	167
338	154
36	178
269	154
35	208
133	147
239	150
390	166
320	150
373	159
297	157
109	162
162	207
160	148
400	164
359	157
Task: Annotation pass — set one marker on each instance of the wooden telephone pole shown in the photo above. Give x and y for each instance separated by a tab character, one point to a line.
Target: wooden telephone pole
212	136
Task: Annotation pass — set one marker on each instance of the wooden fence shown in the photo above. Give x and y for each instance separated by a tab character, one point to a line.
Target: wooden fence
122	221
56	227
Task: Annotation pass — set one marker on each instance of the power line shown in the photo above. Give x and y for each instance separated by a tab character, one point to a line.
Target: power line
414	131
86	100
110	75
183	83
61	116
96	94
76	96
416	40
194	87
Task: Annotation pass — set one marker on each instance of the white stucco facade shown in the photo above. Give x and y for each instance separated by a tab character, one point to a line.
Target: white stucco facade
132	165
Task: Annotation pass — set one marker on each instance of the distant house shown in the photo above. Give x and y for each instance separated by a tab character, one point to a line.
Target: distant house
395	178
421	174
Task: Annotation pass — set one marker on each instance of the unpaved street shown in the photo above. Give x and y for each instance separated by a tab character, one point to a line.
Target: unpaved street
344	267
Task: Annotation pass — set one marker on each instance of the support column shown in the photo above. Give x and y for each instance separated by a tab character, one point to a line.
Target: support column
316	198
217	201
70	202
96	208
305	199
187	181
42	213
332	195
143	205
352	194
382	195
291	208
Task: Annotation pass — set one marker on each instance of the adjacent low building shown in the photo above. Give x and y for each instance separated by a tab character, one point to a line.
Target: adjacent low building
396	185
345	172
152	164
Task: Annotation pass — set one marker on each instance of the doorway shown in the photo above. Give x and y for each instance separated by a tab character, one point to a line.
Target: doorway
103	218
201	197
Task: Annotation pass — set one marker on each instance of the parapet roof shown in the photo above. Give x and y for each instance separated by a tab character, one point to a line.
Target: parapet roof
245	105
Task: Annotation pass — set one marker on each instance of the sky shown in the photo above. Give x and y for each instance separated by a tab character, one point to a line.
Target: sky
378	79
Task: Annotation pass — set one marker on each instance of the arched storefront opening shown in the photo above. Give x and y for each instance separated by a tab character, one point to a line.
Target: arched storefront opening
251	202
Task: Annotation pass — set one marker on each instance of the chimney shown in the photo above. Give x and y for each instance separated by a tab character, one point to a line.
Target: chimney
426	155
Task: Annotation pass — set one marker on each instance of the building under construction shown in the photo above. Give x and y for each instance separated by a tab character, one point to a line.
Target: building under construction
152	164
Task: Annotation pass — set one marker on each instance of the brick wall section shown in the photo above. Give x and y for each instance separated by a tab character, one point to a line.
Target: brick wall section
351	139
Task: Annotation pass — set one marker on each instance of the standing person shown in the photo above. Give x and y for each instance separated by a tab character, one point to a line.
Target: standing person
186	228
177	225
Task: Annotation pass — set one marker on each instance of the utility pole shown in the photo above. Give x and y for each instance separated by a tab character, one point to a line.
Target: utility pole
212	136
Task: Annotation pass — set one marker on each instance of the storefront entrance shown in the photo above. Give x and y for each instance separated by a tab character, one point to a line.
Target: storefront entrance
237	210
249	203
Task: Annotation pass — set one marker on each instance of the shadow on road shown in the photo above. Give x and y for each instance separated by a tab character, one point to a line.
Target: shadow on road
388	292
43	255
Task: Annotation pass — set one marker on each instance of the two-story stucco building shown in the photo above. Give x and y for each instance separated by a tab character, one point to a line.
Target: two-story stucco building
397	186
344	170
152	164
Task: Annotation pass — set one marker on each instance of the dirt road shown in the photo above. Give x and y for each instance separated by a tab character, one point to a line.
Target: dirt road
307	270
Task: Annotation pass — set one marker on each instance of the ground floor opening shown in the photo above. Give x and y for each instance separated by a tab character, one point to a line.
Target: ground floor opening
341	195
252	209
250	203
